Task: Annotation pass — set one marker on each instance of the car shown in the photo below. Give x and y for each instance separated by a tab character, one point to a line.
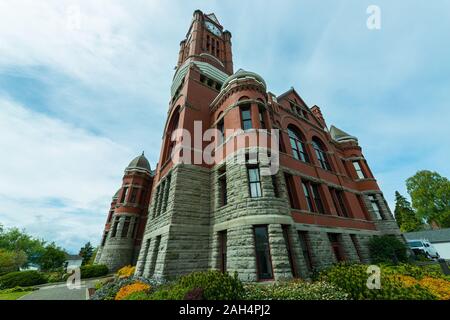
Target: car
423	247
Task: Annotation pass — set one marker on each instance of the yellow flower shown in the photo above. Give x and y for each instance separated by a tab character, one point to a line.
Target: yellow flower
438	287
126	271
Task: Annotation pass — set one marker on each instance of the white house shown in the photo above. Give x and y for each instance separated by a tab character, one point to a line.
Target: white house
72	262
439	238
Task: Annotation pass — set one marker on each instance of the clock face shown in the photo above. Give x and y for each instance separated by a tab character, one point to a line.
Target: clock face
211	27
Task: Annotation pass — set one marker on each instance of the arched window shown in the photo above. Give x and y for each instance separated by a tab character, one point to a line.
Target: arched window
321	154
173	125
297	145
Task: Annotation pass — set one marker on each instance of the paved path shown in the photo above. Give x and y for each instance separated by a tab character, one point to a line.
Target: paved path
60	292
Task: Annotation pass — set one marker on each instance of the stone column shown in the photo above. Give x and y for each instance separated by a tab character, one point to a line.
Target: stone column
241	252
322	254
300	263
148	258
279	253
349	248
140	265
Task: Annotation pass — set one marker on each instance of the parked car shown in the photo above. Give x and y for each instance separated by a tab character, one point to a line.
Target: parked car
423	247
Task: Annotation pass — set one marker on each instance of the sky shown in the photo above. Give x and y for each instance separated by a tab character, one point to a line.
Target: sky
84	88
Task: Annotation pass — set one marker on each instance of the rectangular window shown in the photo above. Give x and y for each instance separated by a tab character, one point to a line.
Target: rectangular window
304	244
291	191
317	199
289	250
358	169
375	207
135	225
336	246
114	228
223	251
126	226
105	235
363	207
223	200
356	245
124	195
263	258
166	193
308	196
261	118
254	181
133	195
339	202
246	116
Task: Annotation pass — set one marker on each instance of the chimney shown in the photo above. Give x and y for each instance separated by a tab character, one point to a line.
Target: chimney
318	113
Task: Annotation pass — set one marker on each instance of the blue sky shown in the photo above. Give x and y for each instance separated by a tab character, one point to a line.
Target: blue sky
77	104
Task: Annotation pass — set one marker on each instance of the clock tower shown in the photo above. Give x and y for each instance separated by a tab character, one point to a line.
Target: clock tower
207	41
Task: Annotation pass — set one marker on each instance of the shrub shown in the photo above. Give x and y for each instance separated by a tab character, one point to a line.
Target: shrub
216	286
195	294
109	290
131	288
92	271
126	271
387	249
54	277
140	295
22	279
295	290
17	289
353	280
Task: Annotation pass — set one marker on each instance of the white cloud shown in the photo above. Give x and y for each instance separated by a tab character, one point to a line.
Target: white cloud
54	170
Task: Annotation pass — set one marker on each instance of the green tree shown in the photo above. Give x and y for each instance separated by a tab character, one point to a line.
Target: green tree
405	215
52	258
16	240
86	252
430	195
11	261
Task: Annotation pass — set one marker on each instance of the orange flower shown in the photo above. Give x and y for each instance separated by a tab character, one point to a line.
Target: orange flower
438	287
131	288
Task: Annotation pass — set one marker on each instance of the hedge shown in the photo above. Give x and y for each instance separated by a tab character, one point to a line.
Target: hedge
22	279
93	271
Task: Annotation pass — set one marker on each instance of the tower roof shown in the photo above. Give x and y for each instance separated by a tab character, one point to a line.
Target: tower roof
241	73
339	135
140	162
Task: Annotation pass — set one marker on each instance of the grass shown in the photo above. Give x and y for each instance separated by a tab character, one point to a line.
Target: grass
13	295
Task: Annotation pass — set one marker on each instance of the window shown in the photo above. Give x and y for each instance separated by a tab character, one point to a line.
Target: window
166	193
220	128
336	246
223	200
297	145
254	181
339	202
114	228
358	169
375	207
356	245
223	251
133	196
290	186
317	198
124	195
308	197
246	116
363	207
276	191
126	226
261	118
172	127
154	256
134	230
304	244
313	198
321	154
289	250
263	258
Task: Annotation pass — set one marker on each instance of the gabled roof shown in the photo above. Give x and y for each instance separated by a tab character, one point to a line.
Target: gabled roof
340	135
434	236
213	17
291	91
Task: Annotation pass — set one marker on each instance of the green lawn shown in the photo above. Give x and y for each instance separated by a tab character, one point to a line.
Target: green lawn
13	295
